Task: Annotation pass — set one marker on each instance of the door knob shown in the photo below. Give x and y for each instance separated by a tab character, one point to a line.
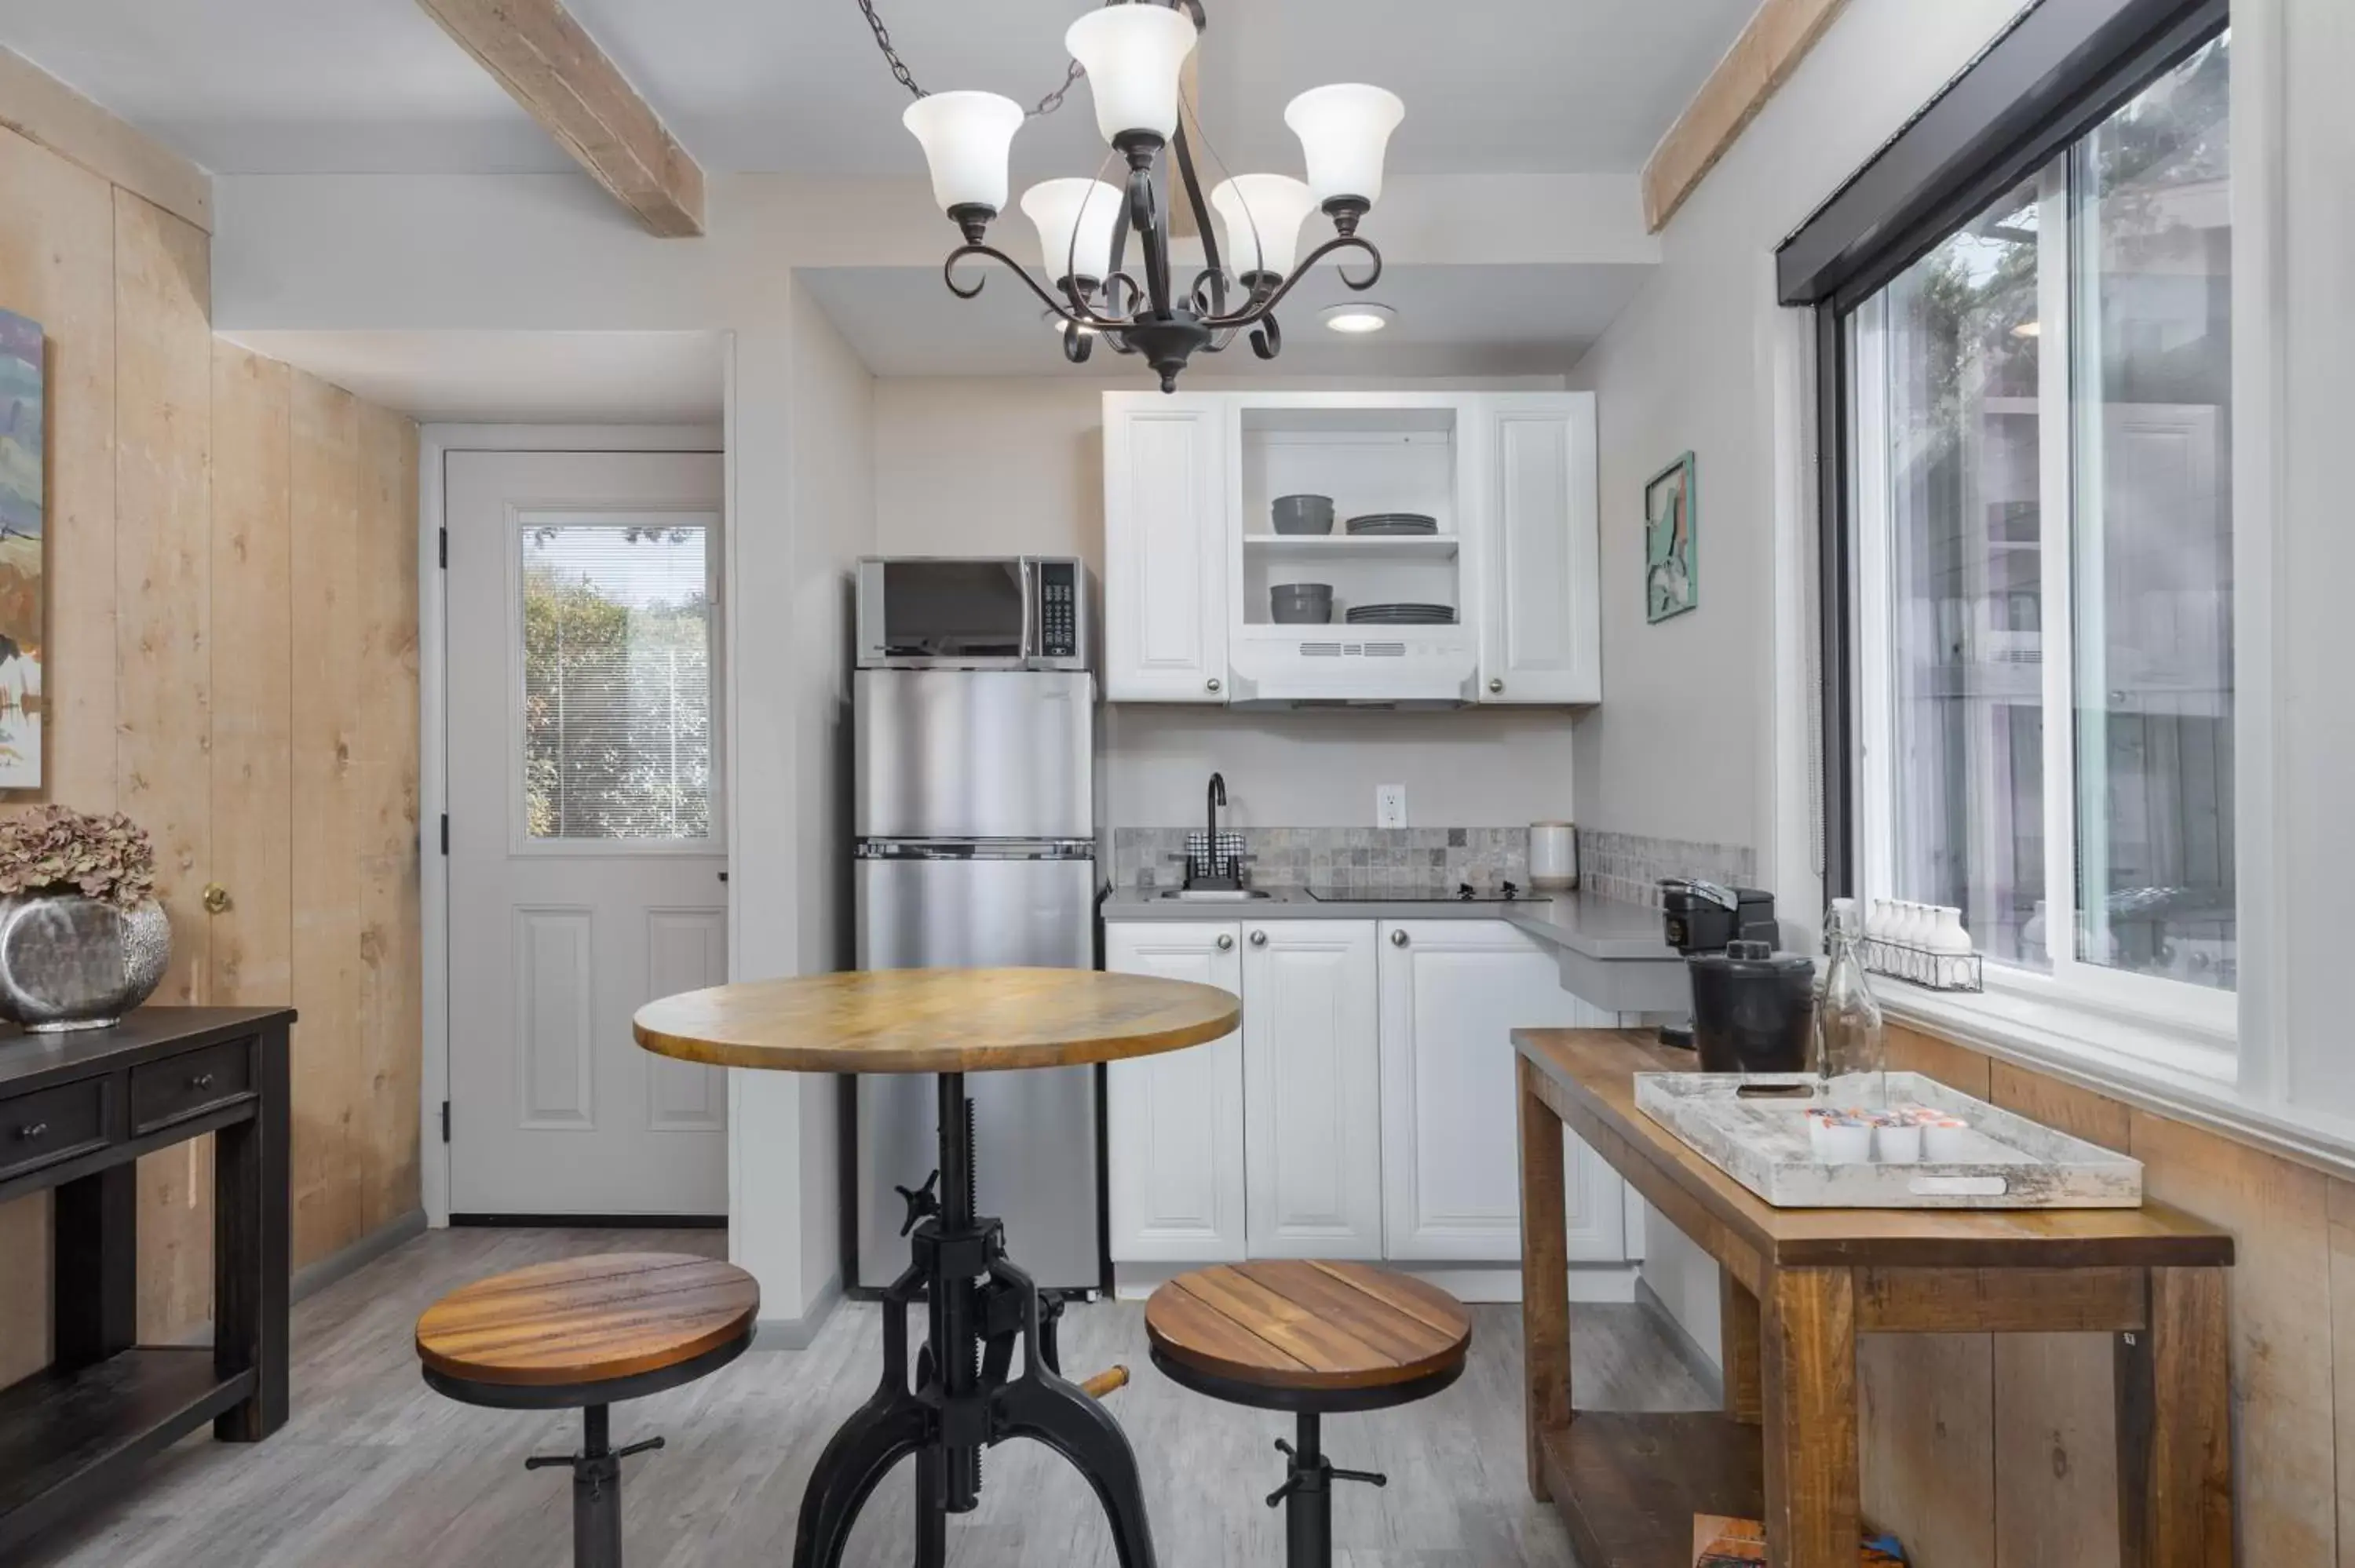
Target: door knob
216	898
1398	938
1495	684
1226	942
1259	939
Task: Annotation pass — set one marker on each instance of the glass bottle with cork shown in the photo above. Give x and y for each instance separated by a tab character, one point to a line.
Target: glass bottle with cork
1851	1056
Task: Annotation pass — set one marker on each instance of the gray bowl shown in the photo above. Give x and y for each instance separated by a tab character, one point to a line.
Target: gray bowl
1301	604
1302	514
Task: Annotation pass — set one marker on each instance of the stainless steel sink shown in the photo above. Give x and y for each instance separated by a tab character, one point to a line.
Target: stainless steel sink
1214	894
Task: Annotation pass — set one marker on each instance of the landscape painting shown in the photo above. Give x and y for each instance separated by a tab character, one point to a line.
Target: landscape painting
22	506
1671	565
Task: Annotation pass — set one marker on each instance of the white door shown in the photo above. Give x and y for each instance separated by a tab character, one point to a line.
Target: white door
1174	1135
587	869
1540	630
1312	1062
1451	994
1167	528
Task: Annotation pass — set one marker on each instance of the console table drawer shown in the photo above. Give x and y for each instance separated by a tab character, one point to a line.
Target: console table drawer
51	1124
194	1081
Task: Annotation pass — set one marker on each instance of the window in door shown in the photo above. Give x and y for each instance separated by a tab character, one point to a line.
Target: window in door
614	625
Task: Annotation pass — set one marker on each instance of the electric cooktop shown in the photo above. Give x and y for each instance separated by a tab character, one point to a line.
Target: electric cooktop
1426	893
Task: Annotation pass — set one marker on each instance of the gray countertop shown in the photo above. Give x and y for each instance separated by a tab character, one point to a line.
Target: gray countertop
1599	928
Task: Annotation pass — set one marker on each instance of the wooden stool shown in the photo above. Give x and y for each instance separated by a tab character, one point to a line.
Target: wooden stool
1313	1338
588	1333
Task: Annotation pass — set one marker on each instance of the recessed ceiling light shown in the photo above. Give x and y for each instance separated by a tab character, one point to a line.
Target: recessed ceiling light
1358	316
1057	323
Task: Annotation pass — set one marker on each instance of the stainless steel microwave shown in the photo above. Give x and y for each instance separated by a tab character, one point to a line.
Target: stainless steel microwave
994	613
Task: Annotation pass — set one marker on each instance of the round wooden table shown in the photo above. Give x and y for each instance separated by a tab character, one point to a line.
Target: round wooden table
979	1304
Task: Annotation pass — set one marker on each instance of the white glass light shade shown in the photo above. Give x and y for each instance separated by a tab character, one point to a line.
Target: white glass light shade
1132	55
1261	214
966	137
1076	219
1344	130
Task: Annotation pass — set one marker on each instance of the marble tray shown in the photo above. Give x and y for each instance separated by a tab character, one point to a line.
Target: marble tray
1762	1143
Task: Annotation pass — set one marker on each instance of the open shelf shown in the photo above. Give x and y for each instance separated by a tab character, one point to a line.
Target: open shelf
63	1435
1627	1485
1354	546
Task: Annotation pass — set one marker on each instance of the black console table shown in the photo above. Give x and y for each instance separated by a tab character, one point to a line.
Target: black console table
76	1112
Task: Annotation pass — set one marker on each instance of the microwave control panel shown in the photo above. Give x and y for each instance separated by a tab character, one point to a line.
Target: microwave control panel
1059	610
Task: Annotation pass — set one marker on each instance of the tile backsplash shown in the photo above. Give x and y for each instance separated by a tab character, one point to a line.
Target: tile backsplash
1371	857
1628	866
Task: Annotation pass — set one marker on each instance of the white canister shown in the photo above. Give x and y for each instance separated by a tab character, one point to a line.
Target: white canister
1553	855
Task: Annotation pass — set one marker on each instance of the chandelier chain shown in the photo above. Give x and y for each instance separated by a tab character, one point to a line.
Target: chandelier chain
907	78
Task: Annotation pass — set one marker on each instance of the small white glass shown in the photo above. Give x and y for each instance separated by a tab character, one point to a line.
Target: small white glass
1261	214
1076	221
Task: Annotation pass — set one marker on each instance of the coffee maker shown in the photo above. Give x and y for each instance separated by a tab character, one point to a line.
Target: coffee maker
1704	918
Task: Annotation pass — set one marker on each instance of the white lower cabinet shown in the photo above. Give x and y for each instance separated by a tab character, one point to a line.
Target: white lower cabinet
1174	1121
1451	994
1312	1089
1367	1109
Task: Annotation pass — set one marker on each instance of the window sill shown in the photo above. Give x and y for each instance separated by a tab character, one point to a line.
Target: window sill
2184	1074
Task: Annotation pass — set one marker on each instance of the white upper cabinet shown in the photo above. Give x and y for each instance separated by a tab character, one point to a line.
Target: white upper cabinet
1541	637
1167	521
1312	1068
1504	481
1174	1121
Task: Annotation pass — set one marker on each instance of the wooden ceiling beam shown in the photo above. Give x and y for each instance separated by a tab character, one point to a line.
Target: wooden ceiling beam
1761	61
549	64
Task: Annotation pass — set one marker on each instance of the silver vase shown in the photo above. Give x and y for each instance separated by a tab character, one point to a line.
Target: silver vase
72	962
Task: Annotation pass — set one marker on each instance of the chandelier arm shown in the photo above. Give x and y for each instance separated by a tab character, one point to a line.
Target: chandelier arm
948	276
1146	220
1183	157
1259	309
1267	338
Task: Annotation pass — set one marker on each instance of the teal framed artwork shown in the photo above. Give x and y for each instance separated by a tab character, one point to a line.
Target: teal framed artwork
23	505
1671	549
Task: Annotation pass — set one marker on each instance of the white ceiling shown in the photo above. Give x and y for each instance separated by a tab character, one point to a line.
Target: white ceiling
353	86
516	377
1451	321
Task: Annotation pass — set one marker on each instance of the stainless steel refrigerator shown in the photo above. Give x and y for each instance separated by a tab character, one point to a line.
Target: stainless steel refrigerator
976	845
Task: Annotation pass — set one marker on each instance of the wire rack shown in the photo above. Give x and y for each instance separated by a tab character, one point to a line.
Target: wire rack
1920	966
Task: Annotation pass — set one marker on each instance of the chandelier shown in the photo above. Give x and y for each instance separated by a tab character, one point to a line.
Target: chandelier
1132	52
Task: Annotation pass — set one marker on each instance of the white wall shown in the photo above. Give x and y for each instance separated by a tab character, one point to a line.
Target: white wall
1687	747
967	465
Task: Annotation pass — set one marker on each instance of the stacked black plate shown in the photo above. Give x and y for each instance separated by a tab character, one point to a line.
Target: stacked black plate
1394	523
1402	615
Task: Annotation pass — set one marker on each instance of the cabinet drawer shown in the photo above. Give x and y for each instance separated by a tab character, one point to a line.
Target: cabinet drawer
51	1124
191	1082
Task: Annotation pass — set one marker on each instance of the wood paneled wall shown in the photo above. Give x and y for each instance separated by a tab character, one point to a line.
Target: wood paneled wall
1998	1451
230	658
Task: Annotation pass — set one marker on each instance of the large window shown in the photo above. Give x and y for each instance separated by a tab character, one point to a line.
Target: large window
2038	486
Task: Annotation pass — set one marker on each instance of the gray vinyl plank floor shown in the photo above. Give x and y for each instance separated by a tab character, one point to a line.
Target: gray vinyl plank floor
375	1469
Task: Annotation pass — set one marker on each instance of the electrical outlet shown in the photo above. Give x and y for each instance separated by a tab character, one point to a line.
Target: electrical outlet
1389	805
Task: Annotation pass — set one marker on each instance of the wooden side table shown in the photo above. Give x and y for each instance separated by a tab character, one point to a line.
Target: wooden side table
1800	1284
77	1110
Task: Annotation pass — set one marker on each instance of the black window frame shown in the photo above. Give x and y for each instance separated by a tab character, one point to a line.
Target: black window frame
2062	68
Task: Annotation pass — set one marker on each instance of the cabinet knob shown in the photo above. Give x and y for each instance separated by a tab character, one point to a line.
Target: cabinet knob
216	898
1259	939
1398	938
32	1129
201	1081
1226	942
1211	684
1495	684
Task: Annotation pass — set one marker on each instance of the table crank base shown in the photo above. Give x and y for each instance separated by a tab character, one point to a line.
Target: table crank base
963	1399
